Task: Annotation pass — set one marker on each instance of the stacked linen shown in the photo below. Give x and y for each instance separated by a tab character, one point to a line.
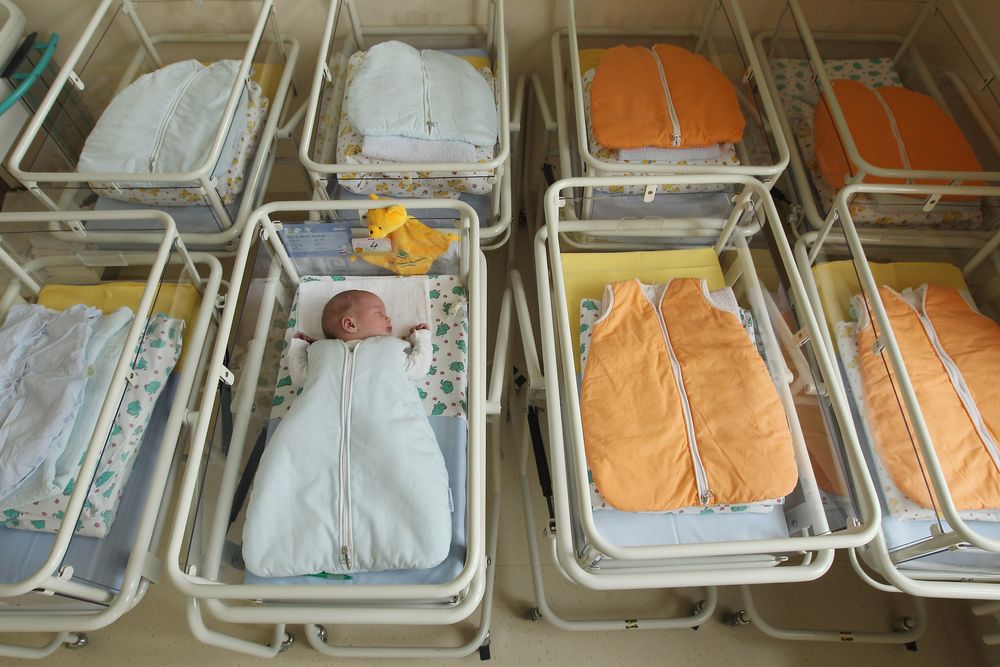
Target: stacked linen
714	449
407	105
44	435
165	122
663	105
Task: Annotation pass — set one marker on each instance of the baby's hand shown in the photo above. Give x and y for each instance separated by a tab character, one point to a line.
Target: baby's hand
302	336
419	327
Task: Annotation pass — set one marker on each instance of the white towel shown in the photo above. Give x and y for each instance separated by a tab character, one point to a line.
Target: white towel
427	94
405	297
408	149
670	155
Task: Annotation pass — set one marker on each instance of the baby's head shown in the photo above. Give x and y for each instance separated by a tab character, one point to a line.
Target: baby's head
354	315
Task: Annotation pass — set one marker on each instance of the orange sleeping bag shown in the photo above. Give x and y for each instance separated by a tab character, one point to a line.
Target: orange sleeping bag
664	97
893	128
677	406
961	407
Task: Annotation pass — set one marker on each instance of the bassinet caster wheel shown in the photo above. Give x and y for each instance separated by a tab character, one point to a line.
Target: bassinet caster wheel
698	607
484	649
321	633
532	614
287	642
77	640
735	618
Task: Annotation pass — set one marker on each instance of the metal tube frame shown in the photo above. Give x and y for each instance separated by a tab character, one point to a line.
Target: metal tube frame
495	35
255	180
922	583
378	604
140	568
721	563
799	172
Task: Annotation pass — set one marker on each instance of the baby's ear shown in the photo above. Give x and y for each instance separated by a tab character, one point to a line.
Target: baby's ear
348	324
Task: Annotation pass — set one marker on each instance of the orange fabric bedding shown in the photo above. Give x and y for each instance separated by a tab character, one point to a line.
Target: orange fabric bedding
629	105
971	341
882	119
646	432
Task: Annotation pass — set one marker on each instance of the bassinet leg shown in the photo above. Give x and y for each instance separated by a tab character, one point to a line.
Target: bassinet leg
906	630
37	652
280	640
530	430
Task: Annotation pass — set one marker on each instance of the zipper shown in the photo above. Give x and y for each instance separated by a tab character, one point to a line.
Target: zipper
705	493
161	133
675	122
895	132
958	383
427	95
346	532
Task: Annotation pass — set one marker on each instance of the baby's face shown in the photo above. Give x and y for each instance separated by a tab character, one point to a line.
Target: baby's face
371	318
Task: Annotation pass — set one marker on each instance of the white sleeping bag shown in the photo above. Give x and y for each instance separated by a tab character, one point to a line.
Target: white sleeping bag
430	95
353	479
165	121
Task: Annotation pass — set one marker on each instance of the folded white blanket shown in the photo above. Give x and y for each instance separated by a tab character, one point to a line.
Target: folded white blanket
59	467
670	155
426	94
42	397
408	149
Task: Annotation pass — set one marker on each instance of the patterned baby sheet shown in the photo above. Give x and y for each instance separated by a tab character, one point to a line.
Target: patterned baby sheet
229	183
799	96
726	159
443	390
156	357
899	506
590	312
347	144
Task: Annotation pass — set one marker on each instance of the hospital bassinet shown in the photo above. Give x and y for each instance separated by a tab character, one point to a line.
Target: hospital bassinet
941	57
934	540
284	281
80	532
331	149
718	33
785	539
182	120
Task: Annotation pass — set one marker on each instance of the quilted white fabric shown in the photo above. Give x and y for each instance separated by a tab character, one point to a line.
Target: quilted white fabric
426	94
165	121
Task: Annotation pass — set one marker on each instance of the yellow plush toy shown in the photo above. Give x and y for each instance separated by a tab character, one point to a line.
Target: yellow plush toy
415	246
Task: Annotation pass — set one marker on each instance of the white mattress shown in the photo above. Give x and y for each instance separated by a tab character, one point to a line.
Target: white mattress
630	529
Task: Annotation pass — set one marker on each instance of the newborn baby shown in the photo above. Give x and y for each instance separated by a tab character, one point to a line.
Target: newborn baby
353	316
353	479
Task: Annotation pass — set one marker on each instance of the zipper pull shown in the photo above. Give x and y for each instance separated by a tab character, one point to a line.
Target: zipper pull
676	139
707	496
345	557
152	163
